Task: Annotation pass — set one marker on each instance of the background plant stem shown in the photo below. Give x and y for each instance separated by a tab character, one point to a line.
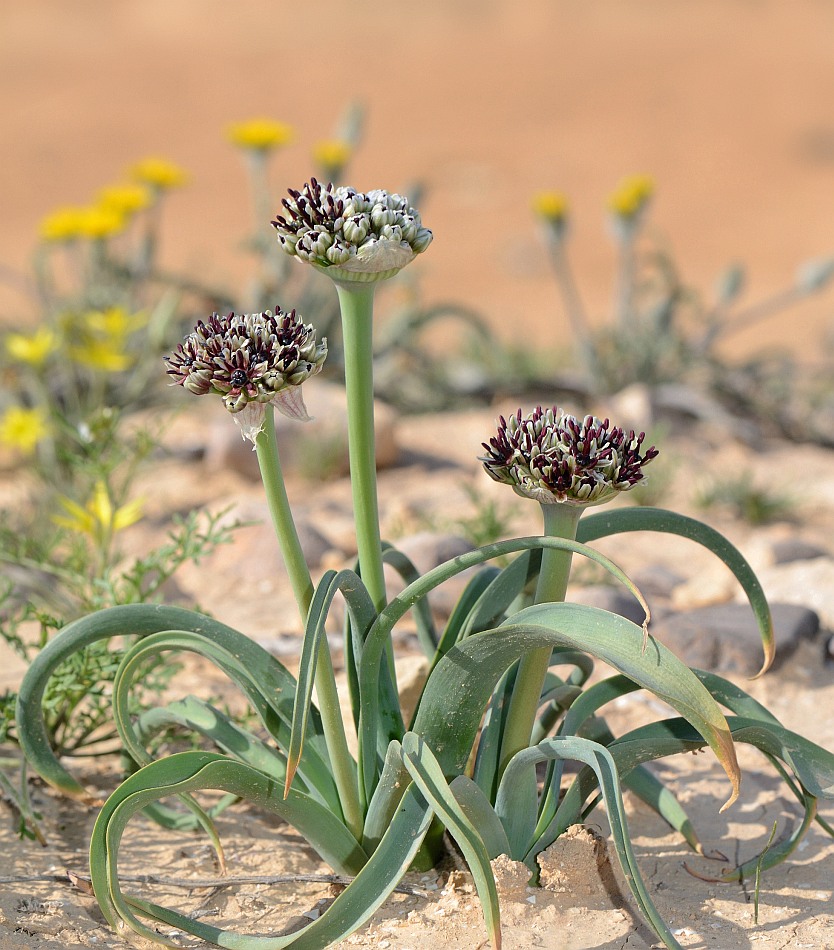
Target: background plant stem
560	521
344	770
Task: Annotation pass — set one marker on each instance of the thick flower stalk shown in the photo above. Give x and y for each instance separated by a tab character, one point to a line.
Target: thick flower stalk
566	465
257	361
358	240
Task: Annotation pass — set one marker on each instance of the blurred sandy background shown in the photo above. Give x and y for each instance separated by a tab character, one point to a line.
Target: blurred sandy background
728	104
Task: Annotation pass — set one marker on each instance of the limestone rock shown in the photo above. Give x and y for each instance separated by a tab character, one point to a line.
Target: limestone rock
725	638
806	583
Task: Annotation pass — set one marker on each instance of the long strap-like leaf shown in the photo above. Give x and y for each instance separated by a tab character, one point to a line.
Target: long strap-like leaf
619	520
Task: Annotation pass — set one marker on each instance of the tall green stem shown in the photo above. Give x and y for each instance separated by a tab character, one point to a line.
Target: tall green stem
344	769
356	303
560	521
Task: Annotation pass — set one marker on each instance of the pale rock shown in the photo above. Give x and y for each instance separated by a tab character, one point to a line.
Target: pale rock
714	584
806	583
578	862
427	550
511	878
631	407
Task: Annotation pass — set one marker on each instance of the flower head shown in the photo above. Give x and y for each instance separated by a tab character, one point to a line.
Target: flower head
23	429
354	236
260	135
250	359
124	199
99	222
63	225
554	458
31	348
159	173
631	196
551	206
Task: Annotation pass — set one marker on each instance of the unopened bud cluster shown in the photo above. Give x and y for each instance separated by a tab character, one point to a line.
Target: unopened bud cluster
554	457
247	357
361	236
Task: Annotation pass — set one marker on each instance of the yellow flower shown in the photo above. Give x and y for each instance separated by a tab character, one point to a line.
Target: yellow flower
260	135
64	224
23	428
551	205
631	196
115	324
332	154
105	355
159	173
31	348
99	222
98	517
124	199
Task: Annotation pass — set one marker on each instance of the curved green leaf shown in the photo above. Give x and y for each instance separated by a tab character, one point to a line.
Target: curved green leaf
426	633
261	678
428	777
193	770
619	520
475	805
598	759
187	772
461	684
128	620
380	633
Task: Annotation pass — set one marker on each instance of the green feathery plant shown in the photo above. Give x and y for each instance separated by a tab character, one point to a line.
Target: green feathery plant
508	685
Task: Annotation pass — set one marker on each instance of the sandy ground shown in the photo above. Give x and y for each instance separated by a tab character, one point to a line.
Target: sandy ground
726	103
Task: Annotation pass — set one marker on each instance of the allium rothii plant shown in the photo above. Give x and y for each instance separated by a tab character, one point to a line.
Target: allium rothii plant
508	687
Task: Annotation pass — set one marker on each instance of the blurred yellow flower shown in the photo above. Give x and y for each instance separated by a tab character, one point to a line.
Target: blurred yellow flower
31	348
260	135
631	196
124	199
159	173
332	154
98	517
114	323
63	224
105	355
22	429
99	222
551	205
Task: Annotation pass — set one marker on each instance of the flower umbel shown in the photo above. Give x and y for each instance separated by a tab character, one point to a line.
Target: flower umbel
250	359
554	458
359	237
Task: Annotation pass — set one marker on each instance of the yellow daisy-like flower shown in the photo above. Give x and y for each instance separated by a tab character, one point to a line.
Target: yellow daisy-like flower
331	155
124	199
105	355
31	348
115	323
100	222
260	135
23	429
62	225
551	205
98	518
159	173
631	196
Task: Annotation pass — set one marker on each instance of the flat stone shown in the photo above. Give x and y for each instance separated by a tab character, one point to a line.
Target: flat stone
726	639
